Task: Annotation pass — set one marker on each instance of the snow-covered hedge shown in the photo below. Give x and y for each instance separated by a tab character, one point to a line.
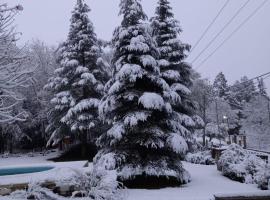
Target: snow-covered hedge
263	178
201	157
236	164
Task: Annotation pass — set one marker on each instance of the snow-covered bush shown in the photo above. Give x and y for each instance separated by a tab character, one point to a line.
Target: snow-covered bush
97	184
233	155
236	164
201	157
252	165
35	192
231	163
263	178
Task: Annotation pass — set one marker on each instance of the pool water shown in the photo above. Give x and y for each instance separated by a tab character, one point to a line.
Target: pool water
23	170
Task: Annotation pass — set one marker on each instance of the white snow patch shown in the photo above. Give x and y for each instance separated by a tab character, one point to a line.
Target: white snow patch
152	101
163	63
116	131
138	43
206	181
172	75
177	143
130	71
148	60
134	118
115	87
180	88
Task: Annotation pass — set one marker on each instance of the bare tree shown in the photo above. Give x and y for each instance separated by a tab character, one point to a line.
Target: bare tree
12	72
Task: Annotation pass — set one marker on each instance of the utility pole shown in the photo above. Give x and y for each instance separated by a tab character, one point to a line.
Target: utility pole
204	119
217	119
268	107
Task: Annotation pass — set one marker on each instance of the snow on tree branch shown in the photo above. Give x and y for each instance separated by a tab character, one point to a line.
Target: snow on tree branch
12	72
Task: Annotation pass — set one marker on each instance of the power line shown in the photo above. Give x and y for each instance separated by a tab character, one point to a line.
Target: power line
210	25
258	91
221	31
266	77
235	31
246	87
243	89
252	79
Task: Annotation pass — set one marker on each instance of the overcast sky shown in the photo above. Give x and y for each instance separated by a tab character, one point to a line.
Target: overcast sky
247	53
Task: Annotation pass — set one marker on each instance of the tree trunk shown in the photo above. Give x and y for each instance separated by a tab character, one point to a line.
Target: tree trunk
11	145
84	144
217	118
1	142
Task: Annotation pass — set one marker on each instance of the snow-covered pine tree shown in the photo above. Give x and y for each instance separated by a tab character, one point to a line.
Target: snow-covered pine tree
226	103
144	144
220	86
78	85
176	72
240	92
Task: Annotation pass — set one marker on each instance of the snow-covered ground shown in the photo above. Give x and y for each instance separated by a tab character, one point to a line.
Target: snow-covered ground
31	158
206	181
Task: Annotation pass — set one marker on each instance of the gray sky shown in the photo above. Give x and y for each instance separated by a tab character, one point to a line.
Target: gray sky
247	53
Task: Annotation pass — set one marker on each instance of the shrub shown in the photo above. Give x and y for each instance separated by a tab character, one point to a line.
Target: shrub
201	157
236	164
235	154
263	178
99	185
35	192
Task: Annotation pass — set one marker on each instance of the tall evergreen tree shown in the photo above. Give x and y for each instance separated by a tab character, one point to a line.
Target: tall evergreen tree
78	85
244	89
145	144
172	52
220	86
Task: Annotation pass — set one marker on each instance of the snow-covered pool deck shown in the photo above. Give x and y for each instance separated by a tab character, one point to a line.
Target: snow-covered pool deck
206	181
61	169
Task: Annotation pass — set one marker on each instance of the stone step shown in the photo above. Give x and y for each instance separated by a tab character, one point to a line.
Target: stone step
7	189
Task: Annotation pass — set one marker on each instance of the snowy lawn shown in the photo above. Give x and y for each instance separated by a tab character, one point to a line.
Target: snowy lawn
61	169
206	181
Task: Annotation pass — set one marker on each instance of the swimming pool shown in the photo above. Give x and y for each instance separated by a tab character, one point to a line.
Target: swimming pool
23	170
